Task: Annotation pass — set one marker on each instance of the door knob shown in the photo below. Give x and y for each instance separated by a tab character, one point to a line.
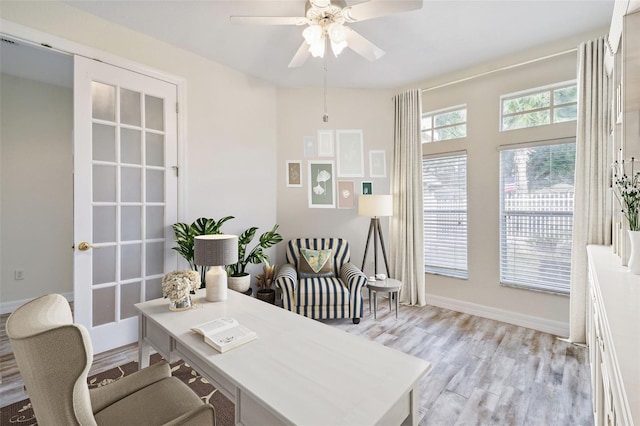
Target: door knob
84	246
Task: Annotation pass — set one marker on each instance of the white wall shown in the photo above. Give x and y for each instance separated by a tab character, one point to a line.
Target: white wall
36	187
231	118
299	115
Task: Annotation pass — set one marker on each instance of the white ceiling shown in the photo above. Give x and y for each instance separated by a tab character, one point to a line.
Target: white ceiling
444	36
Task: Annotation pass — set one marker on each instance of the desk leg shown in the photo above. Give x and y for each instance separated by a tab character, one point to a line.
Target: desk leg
390	294
412	418
375	305
369	300
143	347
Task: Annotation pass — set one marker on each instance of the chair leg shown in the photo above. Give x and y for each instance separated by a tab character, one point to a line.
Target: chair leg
356	320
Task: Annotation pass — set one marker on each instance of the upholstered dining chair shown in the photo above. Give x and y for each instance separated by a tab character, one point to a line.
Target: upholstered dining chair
54	356
318	281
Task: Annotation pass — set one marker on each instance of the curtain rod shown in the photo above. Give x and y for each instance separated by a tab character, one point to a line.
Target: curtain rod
507	67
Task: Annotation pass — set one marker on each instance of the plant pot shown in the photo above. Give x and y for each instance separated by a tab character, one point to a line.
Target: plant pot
239	283
268	295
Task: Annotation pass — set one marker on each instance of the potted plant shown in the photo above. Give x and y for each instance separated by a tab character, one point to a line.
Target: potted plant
185	235
239	279
264	281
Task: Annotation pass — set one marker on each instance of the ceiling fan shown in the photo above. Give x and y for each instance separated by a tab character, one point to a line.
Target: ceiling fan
326	19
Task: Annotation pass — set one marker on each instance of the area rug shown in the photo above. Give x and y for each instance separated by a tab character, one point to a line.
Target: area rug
21	413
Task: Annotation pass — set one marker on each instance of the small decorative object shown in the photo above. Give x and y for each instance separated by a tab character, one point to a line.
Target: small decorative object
628	194
237	270
216	251
264	282
177	286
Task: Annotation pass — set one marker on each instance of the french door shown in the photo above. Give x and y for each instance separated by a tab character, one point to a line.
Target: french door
125	196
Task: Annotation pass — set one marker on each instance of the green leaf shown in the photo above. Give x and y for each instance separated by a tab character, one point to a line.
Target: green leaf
270	238
202	226
217	225
257	256
246	237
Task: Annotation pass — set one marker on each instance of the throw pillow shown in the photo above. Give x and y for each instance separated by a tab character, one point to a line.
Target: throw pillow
315	263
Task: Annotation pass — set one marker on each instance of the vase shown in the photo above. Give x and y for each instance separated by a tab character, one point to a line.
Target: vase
634	256
180	305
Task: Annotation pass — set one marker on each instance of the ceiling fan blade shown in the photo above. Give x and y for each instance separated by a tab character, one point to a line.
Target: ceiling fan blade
362	46
301	56
378	8
269	20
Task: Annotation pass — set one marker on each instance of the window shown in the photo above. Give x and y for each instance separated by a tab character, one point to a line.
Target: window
539	106
536	216
444	124
445	215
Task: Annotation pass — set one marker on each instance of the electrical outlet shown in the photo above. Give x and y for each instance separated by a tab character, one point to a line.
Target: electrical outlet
19	274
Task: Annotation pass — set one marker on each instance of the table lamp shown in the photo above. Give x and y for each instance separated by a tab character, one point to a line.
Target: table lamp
216	251
375	206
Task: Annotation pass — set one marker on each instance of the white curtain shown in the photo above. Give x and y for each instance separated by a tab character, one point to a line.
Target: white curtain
406	226
592	215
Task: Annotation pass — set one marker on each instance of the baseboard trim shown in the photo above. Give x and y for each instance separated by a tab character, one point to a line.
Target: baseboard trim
557	328
8	307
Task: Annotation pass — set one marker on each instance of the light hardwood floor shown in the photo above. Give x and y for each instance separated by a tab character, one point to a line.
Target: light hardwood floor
484	372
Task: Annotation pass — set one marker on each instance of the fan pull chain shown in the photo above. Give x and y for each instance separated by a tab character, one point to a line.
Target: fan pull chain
325	116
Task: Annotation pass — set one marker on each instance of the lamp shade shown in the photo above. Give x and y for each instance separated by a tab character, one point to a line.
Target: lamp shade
375	205
215	250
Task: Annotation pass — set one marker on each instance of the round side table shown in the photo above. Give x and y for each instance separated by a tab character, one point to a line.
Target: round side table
389	286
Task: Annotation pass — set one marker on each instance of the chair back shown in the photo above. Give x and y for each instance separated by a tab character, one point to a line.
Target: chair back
54	356
339	247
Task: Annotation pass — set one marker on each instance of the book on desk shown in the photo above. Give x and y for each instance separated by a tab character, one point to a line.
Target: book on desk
224	333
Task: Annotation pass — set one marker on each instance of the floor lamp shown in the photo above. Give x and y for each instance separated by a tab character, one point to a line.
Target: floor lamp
375	206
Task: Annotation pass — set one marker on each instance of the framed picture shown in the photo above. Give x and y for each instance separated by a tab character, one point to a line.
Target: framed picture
321	185
309	146
346	195
325	143
294	174
367	188
349	153
377	164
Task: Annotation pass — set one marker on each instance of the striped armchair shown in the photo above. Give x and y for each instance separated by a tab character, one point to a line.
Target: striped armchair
322	296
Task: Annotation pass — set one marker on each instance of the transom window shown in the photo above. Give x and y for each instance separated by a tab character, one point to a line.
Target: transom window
445	214
450	123
536	216
539	106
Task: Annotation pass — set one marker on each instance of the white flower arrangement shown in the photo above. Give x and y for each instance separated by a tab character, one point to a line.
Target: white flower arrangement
177	285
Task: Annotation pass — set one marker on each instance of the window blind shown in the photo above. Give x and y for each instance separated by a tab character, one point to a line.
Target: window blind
445	215
536	216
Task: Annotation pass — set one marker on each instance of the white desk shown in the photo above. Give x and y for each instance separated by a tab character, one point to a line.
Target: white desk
299	371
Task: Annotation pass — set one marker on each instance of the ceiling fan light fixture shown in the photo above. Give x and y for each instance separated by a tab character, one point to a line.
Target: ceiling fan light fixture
312	34
336	32
317	48
337	48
